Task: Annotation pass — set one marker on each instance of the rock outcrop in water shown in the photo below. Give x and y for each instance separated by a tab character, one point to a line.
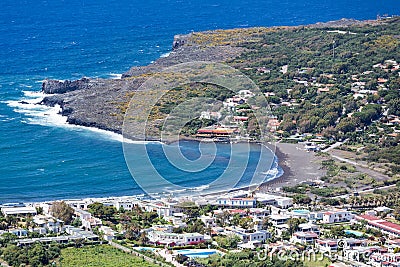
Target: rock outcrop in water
61	87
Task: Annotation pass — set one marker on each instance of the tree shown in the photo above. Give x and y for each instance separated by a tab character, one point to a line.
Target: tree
346	125
102	211
143	238
337	231
62	211
293	224
394	107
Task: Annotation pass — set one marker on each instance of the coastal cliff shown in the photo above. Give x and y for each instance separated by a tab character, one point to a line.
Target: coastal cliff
102	103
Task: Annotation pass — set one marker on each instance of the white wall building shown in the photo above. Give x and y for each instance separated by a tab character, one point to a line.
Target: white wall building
172	239
48	222
305	238
248	236
18	211
237	202
87	220
336	216
277	219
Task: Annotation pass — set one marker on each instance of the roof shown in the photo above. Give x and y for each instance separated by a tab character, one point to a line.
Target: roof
330	242
18	210
367	217
306	234
380	223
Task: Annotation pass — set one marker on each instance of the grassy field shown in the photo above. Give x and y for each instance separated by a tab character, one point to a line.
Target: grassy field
317	262
100	256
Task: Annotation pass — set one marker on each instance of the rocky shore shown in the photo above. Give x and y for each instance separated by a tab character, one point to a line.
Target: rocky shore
97	102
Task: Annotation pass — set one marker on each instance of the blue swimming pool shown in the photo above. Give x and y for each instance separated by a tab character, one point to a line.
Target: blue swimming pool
301	211
197	253
356	233
145	248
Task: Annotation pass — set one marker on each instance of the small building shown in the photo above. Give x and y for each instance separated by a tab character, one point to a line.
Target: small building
274	200
336	216
305	238
172	239
88	222
19	232
18	211
327	245
248	236
237	202
278	219
208	220
124	204
108	233
308	227
48	222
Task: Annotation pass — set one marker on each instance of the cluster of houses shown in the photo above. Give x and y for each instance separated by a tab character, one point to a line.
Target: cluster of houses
257	209
44	224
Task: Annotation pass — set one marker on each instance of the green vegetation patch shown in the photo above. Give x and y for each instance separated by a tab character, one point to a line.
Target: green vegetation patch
100	256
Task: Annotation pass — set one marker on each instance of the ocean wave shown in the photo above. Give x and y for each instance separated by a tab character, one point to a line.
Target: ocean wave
116	76
38	114
165	54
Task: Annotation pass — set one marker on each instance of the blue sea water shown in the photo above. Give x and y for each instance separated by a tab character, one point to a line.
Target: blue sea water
42	159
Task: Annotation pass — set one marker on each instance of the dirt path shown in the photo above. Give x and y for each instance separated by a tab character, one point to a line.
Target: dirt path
360	166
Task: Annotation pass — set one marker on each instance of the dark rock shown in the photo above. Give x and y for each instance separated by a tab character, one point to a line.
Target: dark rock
61	87
51	101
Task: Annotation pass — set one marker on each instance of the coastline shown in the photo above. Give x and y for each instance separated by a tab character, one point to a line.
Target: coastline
287	156
298	165
274	184
291	158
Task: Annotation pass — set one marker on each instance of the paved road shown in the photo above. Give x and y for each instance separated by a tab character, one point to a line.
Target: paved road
361	168
366	191
335	145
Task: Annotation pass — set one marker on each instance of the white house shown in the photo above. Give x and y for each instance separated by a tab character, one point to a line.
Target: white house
237	202
87	220
336	216
274	200
125	204
305	238
248	236
315	216
108	233
208	220
21	211
48	222
309	227
172	239
327	245
277	219
18	232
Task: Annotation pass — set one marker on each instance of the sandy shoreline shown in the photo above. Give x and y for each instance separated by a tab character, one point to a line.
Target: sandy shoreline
298	166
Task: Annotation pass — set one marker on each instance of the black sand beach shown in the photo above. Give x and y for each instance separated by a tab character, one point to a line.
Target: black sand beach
298	166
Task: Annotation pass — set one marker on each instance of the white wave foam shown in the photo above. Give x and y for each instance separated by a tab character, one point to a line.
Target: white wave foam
116	76
272	172
51	116
34	94
165	54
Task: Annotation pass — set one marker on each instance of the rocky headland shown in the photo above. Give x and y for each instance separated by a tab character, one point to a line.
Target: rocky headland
99	102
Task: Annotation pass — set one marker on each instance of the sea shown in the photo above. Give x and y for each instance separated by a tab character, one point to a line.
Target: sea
42	158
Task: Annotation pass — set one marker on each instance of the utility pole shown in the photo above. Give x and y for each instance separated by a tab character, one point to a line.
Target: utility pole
334	49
